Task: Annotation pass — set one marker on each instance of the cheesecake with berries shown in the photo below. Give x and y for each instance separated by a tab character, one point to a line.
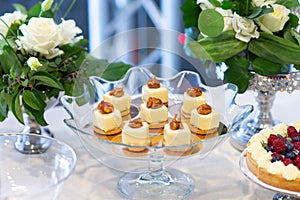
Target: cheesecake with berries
273	155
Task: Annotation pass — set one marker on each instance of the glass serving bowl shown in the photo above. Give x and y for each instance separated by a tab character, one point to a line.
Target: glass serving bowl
155	181
36	175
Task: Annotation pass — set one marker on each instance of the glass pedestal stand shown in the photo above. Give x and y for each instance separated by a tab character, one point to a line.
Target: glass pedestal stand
156	182
265	89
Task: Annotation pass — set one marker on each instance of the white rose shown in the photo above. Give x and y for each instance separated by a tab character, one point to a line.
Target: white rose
263	2
274	21
68	31
245	28
41	35
8	19
227	16
33	63
205	4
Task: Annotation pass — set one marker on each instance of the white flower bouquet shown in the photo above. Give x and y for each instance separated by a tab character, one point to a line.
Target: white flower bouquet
40	58
247	35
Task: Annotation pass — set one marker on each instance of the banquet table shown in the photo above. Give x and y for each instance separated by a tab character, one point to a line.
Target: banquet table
216	176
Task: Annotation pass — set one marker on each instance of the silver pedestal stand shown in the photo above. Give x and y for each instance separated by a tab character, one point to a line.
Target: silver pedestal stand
265	89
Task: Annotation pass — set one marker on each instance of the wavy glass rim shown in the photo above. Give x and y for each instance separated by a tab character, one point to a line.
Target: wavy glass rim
247	109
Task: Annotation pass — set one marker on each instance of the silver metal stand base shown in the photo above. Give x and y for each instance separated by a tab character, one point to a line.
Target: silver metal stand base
27	143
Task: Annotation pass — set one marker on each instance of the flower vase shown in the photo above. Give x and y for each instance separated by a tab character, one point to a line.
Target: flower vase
28	144
265	89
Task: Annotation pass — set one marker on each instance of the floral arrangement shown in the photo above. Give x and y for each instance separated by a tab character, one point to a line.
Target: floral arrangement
247	35
40	57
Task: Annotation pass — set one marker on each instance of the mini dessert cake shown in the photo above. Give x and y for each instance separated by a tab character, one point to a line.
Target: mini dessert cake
273	155
192	98
176	133
204	121
120	101
154	89
155	113
106	119
135	133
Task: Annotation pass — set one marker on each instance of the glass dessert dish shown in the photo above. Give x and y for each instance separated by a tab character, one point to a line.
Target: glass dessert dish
33	175
157	180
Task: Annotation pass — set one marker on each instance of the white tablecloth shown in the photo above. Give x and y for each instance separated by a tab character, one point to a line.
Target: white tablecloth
216	176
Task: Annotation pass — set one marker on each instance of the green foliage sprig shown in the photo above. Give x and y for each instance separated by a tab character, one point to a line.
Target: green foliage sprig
32	73
247	35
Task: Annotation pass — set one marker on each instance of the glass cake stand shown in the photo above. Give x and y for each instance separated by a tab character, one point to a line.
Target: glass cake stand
157	180
280	193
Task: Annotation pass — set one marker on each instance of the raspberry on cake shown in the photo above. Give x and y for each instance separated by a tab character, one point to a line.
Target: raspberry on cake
192	98
154	89
273	155
106	119
135	133
120	101
205	121
155	113
177	133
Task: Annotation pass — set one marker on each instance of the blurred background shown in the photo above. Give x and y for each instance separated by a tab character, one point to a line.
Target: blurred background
139	32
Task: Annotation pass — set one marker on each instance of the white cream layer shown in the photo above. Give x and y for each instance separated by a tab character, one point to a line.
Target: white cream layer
121	103
153	115
205	122
161	93
177	137
107	122
190	103
135	136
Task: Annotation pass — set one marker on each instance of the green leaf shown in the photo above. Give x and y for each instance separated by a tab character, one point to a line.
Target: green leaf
275	49
211	23
238	76
259	12
37	114
288	3
191	12
294	20
3	104
266	67
35	10
297	67
237	61
20	7
31	100
226	5
46	79
215	3
115	71
296	36
9	61
16	107
217	49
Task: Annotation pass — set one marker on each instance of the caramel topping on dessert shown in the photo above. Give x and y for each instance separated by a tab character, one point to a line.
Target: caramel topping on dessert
194	92
153	83
105	107
117	92
154	103
136	123
204	109
175	124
